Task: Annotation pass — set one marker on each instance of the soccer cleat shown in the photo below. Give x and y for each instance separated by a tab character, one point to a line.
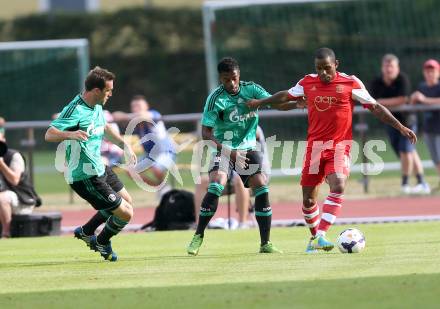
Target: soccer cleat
310	248
405	189
243	226
194	246
269	248
421	188
321	243
78	233
106	251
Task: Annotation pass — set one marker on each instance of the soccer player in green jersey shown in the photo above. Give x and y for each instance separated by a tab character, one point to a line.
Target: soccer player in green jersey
231	126
82	125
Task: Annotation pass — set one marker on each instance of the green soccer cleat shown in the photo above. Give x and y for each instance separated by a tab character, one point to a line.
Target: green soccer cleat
269	248
321	243
194	246
310	248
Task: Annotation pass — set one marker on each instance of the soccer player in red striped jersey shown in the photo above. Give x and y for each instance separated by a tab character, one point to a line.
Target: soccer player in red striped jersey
330	97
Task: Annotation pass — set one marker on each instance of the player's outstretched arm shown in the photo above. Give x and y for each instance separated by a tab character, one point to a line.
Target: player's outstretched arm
278	98
300	103
384	115
55	135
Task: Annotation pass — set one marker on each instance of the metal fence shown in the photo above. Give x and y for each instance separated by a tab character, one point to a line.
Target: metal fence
361	127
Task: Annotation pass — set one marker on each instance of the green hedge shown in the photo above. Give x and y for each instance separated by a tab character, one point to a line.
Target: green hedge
158	53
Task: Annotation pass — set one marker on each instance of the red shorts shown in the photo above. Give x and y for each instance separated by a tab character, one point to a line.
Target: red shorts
323	164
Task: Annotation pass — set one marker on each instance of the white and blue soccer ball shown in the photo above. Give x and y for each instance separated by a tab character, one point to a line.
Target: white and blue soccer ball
351	241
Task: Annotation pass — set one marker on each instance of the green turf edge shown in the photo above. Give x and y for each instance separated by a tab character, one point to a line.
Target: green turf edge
408	291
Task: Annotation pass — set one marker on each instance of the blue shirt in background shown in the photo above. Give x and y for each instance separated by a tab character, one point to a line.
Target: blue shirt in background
431	119
158	141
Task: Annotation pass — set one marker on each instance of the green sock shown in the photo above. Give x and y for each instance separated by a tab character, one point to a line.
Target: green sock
99	218
209	206
263	213
113	226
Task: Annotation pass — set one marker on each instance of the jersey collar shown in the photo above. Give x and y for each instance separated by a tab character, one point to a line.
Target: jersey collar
84	102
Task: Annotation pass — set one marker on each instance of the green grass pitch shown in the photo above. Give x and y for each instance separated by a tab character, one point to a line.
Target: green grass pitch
398	269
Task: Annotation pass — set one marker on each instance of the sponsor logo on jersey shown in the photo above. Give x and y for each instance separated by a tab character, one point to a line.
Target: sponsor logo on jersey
235	117
339	88
313	88
91	130
240	101
323	103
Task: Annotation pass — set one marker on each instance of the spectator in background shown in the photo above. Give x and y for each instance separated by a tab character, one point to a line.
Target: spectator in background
392	89
428	93
242	194
111	153
160	153
17	195
2	125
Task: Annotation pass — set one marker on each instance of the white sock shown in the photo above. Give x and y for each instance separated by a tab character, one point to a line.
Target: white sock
320	233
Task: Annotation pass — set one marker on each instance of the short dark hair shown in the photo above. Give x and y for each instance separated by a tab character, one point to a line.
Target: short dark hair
97	78
227	64
325	52
137	97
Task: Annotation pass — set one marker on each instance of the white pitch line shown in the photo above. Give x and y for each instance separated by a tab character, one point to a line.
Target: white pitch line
300	222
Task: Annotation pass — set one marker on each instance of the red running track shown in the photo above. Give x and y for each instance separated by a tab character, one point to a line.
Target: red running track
383	207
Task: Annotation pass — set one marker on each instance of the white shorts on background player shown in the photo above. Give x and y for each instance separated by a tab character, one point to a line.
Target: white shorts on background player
164	161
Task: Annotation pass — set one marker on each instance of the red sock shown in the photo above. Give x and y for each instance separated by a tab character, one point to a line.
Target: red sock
311	216
330	211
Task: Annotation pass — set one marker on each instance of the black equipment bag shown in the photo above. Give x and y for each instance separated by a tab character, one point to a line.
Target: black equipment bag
175	212
36	224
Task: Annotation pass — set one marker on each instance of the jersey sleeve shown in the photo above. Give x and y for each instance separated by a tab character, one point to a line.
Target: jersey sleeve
360	93
210	112
260	92
155	115
68	119
296	91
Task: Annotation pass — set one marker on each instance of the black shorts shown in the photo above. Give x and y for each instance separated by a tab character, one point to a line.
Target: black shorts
101	192
221	163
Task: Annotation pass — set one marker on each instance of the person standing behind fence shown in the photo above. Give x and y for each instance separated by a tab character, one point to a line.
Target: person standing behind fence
392	89
428	93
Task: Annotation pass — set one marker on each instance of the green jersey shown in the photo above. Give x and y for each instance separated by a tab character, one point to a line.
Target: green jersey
233	122
83	157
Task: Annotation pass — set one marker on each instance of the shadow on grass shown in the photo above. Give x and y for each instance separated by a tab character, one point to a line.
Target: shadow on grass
408	291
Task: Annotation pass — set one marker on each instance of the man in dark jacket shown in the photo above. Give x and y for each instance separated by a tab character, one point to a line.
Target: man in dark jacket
17	195
392	89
